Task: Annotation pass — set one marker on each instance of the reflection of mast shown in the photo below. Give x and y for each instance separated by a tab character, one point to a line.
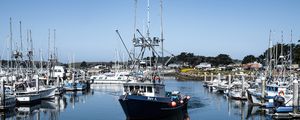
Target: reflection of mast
228	106
242	110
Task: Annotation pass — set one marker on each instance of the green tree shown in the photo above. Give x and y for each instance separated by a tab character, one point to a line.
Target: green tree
223	59
249	59
83	64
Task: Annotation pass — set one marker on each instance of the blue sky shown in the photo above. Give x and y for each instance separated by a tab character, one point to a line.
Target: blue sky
86	28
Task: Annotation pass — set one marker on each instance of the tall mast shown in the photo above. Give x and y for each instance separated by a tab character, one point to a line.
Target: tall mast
291	52
270	55
11	43
148	19
49	58
134	27
281	52
162	32
21	36
54	37
49	51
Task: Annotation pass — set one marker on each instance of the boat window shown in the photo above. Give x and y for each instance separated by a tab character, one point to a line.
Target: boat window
137	87
149	89
276	89
131	88
125	88
156	90
142	88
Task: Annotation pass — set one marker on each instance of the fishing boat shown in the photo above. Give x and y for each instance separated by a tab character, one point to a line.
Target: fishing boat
7	99
75	85
238	89
144	95
31	91
149	100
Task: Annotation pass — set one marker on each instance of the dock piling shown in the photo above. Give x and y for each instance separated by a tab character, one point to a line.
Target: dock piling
243	88
211	76
229	81
263	85
295	96
204	76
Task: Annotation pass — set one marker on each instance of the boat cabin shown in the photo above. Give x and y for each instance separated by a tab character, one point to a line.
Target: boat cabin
274	89
145	89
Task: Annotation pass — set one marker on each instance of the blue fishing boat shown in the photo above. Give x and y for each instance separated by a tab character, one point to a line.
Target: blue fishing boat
144	95
75	86
149	100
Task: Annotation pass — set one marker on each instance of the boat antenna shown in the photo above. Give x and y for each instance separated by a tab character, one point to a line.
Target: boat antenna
117	31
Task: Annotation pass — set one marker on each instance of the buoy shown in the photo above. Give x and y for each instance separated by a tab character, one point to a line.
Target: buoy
157	78
188	97
281	93
173	104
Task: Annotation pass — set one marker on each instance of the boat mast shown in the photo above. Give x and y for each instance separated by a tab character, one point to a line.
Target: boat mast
49	66
282	59
148	19
21	36
54	48
11	44
134	28
161	32
291	52
269	60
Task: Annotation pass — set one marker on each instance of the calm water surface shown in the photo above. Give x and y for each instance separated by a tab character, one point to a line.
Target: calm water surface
101	103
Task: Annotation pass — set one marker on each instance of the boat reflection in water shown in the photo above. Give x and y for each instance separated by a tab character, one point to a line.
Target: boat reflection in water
49	108
74	97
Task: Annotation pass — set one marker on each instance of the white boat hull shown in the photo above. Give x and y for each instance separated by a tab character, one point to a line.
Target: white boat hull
35	96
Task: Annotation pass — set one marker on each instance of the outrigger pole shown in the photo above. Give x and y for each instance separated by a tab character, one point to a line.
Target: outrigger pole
124	45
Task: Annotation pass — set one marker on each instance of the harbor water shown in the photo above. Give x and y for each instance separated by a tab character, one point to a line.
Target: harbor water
101	103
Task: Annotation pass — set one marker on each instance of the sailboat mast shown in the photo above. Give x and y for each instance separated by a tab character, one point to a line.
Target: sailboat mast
54	54
21	36
281	52
270	55
291	52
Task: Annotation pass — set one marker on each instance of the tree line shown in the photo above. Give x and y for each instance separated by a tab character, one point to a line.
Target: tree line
276	51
